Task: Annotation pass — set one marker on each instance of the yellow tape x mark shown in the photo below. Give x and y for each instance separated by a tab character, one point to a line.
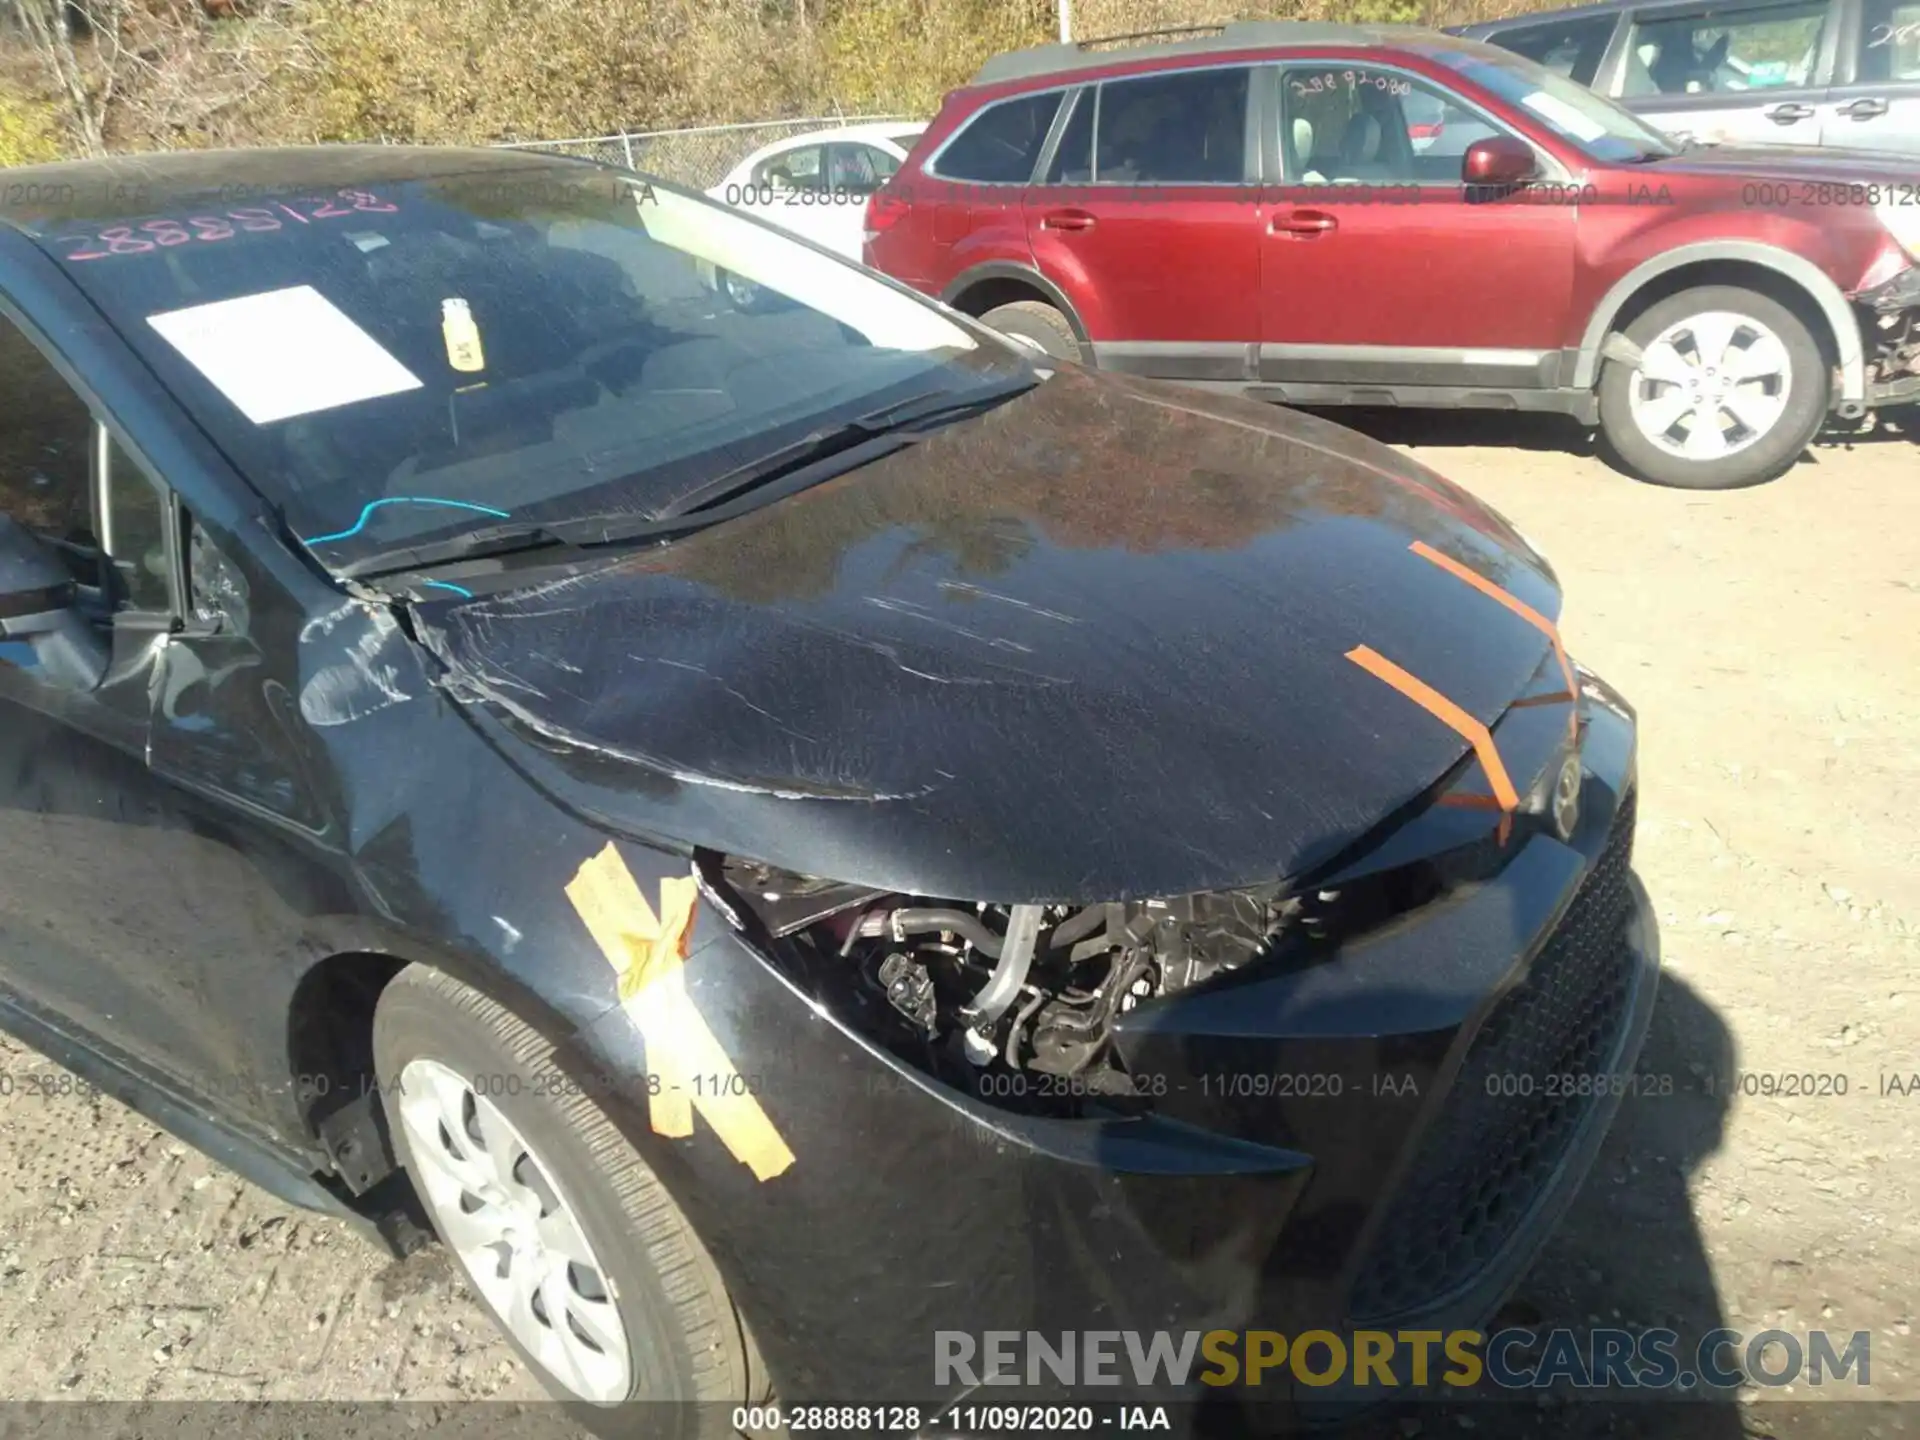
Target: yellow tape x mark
1455	719
648	952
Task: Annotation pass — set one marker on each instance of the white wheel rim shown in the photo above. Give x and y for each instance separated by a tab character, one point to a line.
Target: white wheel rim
495	1204
1711	385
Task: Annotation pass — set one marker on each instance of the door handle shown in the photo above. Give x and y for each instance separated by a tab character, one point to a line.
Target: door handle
1302	222
1865	108
1066	220
1788	113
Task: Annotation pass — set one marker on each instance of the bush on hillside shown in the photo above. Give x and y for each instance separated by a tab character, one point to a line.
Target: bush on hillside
29	130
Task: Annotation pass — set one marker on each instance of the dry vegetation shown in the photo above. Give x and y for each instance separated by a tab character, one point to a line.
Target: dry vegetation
84	76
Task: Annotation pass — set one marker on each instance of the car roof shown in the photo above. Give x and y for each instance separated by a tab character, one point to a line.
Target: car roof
1607	8
123	184
890	131
867	130
1042	60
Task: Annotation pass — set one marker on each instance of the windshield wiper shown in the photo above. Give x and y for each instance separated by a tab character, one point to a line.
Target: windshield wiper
509	537
807	461
909	419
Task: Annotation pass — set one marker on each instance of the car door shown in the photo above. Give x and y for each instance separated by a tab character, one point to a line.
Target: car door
1875	100
157	869
1148	215
1741	74
782	189
1376	265
86	857
964	207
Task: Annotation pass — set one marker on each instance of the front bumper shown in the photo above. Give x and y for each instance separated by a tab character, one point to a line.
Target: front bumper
1413	1119
1890	326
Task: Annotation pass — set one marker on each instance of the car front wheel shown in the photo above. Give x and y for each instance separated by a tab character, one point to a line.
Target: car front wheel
1729	389
564	1233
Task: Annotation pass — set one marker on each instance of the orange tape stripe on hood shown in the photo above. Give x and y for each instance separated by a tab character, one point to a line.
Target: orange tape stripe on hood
1448	713
1519	607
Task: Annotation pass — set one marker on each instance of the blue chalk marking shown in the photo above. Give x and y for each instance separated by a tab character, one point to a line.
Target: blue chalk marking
374	505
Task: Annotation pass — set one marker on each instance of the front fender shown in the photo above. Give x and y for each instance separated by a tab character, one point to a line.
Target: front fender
1808	276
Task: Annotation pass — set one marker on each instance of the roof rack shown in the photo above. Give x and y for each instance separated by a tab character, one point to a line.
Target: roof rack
1203	39
1091	40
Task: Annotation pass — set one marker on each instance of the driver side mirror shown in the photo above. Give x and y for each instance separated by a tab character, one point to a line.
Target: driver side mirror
39	605
1500	161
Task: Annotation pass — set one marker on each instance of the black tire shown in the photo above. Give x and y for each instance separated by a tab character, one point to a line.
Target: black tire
1809	391
685	1338
1037	324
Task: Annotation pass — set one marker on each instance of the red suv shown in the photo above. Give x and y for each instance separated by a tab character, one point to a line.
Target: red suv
1340	215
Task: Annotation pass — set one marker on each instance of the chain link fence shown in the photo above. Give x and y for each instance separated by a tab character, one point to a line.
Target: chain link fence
700	157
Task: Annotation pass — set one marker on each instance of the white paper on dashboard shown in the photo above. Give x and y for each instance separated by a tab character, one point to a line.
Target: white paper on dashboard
1569	119
283	353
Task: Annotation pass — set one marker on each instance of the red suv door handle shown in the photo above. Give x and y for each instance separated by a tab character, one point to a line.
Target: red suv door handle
1066	220
1303	222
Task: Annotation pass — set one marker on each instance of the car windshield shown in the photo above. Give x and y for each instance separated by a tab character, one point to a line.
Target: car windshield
1576	114
399	364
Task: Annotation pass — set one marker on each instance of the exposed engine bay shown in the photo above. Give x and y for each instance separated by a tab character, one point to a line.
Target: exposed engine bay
970	991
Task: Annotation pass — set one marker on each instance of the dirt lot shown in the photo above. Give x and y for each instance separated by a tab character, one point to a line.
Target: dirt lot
1771	640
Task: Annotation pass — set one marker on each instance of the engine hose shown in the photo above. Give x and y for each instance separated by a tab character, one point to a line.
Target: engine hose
1003	986
1076	927
901	923
1019	1025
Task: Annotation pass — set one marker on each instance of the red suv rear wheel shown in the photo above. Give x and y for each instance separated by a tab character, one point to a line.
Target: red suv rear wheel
1037	324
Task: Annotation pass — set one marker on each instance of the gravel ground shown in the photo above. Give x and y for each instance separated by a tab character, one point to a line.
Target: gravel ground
1771	641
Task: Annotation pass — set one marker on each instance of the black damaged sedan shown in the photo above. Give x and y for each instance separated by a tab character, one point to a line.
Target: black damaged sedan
779	829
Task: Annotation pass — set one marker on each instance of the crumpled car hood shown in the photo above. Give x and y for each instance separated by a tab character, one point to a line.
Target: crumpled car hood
1090	646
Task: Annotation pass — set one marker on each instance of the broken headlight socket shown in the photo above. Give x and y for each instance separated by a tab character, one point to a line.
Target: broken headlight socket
786	902
1556	793
1566	798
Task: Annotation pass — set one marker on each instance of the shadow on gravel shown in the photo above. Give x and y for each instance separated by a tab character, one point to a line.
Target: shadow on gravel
1459	429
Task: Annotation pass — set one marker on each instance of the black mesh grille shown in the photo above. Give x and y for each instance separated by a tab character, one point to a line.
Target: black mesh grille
1489	1152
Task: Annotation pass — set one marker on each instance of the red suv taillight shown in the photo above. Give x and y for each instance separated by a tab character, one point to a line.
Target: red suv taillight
884	211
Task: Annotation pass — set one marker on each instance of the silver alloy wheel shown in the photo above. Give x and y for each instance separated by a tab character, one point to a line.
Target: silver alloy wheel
497	1207
1711	385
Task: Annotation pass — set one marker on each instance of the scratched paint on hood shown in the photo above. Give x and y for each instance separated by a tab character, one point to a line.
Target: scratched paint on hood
1088	645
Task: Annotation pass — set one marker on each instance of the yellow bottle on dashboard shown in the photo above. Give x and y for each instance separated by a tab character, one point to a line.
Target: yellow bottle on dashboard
462	336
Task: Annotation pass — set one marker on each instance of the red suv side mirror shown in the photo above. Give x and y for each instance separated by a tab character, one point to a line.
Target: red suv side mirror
1498	160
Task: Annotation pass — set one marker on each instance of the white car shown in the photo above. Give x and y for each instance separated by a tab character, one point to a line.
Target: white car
816	185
